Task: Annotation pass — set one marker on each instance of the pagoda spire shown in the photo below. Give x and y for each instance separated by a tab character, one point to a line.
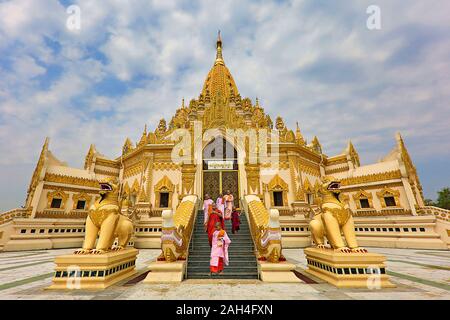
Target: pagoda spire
299	136
219	57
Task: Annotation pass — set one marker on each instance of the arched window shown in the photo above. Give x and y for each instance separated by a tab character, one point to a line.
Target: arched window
163	192
278	190
57	199
389	197
363	200
81	201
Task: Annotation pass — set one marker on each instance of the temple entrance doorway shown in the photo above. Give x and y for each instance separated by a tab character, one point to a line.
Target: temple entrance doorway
220	169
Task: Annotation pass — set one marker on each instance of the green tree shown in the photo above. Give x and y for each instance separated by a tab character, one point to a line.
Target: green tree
443	200
429	202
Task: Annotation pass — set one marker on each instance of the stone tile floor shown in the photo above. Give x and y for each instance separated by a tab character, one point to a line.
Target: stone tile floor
418	274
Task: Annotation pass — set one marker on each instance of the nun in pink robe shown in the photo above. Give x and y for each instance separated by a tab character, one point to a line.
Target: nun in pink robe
219	250
220	203
206	204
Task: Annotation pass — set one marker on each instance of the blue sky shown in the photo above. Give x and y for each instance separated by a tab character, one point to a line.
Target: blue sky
309	61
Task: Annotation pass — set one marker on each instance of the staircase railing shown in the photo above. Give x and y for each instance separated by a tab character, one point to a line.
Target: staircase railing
442	214
264	228
177	229
14	213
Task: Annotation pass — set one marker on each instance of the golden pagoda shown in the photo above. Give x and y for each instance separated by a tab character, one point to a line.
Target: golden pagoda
385	198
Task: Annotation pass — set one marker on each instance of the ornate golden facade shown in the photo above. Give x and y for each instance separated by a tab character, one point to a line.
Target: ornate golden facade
146	169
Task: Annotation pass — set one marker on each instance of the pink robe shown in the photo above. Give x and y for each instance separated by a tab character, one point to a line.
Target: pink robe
206	205
219	252
220	204
229	200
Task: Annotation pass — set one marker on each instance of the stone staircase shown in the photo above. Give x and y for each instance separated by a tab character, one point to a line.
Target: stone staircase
242	264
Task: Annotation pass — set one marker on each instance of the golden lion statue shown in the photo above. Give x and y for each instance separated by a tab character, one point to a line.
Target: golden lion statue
104	219
335	218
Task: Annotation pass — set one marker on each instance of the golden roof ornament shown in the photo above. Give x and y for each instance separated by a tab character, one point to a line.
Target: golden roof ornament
279	124
219	58
127	146
143	137
219	80
316	146
298	136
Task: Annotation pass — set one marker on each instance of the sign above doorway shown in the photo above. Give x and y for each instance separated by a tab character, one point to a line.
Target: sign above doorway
220	165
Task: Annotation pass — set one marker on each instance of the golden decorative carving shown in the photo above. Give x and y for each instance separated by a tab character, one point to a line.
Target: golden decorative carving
388	192
106	173
410	168
309	168
376	177
336	170
164	186
70	189
57	194
340	159
81	196
278	184
253	179
127	146
133	170
60	214
307	187
363	195
187	179
316	146
353	154
57	178
135	187
36	173
296	176
89	157
169	166
107	163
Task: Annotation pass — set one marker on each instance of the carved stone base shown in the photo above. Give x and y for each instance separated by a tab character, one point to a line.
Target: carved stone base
348	270
166	272
281	272
92	271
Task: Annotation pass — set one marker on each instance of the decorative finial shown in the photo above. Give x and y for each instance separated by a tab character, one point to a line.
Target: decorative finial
182	103
298	135
219	47
257	102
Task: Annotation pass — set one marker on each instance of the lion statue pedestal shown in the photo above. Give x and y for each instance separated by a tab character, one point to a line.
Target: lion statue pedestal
348	270
94	271
99	264
343	264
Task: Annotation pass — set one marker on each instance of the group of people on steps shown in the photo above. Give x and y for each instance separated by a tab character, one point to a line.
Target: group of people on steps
215	215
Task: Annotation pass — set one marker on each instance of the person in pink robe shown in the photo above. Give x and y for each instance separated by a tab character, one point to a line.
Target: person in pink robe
206	204
219	250
220	203
229	202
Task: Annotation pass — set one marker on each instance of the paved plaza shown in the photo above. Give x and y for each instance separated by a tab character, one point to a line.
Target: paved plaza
418	274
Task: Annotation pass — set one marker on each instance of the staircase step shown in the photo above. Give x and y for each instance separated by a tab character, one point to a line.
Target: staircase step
243	264
206	275
204	265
